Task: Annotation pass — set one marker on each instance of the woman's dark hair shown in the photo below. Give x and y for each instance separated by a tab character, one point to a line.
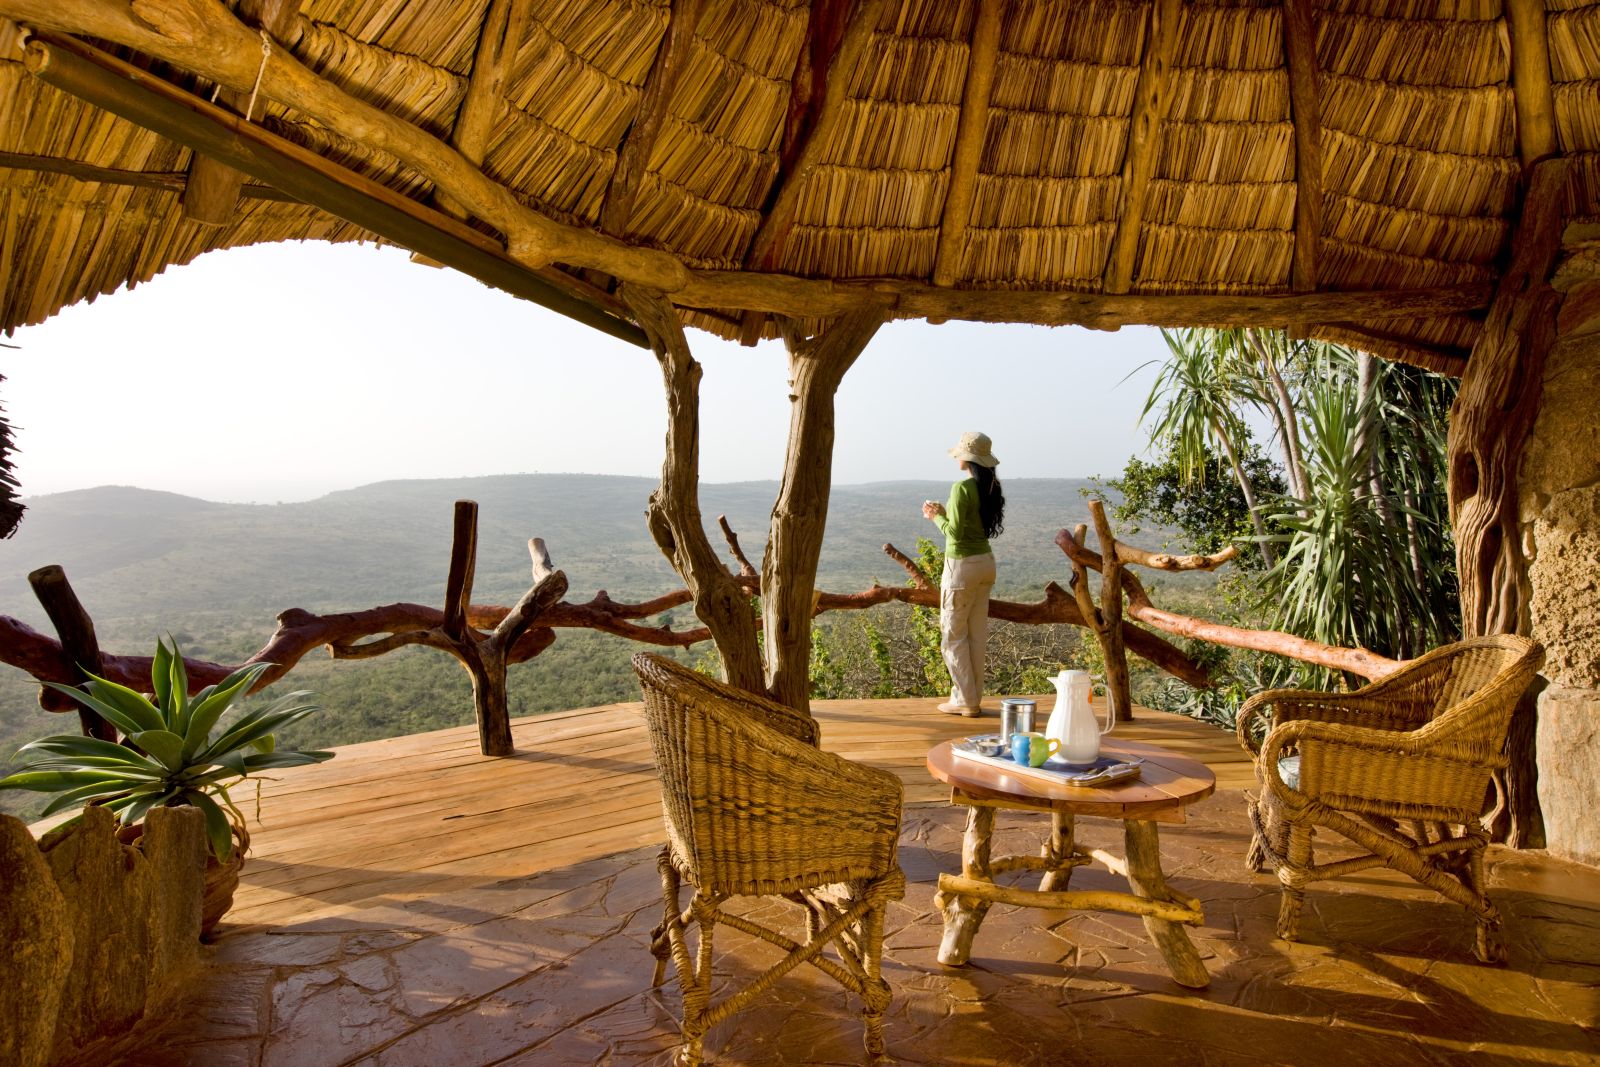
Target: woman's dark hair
991	501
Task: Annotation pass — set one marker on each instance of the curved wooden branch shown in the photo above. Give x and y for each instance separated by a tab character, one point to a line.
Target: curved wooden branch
1356	661
746	568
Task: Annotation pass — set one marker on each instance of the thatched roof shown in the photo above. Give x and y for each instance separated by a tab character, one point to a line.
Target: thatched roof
1043	145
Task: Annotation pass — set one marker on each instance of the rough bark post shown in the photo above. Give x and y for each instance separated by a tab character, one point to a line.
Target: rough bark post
488	698
674	510
1109	633
78	643
1489	425
799	516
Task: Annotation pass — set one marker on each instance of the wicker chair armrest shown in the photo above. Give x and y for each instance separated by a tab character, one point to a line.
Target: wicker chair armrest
1280	706
1358	744
674	677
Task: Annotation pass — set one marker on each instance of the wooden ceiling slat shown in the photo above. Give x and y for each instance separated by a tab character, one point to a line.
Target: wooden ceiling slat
1530	80
1150	102
1300	47
970	135
634	156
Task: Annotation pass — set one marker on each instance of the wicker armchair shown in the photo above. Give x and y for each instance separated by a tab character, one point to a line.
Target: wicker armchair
1402	768
754	808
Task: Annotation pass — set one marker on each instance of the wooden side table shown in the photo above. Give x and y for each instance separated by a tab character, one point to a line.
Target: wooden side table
1167	785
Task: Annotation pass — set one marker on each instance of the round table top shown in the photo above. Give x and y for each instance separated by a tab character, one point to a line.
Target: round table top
1167	783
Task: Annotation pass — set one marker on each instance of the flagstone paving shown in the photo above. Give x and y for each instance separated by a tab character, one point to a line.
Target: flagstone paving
554	968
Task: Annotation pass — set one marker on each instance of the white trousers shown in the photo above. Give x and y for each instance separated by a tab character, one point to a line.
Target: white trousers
964	624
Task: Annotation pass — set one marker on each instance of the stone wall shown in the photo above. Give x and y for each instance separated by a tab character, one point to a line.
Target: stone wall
95	936
1560	504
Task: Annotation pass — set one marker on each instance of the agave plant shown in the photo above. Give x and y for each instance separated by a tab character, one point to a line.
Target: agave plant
168	757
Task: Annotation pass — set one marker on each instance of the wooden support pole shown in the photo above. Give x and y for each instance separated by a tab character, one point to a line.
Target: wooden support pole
1110	632
633	158
674	510
505	23
1151	99
982	53
1305	108
140	97
799	516
1490	421
78	644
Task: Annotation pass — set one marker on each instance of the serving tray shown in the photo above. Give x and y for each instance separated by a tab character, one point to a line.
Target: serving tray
1107	770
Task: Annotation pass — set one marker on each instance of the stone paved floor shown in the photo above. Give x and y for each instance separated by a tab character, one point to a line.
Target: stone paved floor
554	969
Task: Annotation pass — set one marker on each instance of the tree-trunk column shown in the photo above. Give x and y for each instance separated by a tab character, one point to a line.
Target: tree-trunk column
1489	425
674	510
799	516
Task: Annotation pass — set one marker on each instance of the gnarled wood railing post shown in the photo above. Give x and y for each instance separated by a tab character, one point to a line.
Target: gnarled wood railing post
799	515
1489	425
674	510
79	645
485	657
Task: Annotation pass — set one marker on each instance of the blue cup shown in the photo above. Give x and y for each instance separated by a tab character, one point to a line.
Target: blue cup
1031	750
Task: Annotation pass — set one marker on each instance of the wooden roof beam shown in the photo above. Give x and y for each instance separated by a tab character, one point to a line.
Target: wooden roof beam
172	181
1150	103
1305	107
1530	80
140	97
633	158
982	53
1394	347
766	247
211	192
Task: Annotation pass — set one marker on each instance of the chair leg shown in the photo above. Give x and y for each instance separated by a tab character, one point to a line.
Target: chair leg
875	992
661	936
1490	943
697	989
1298	855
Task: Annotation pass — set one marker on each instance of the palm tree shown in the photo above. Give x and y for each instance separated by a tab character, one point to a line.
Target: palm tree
1197	397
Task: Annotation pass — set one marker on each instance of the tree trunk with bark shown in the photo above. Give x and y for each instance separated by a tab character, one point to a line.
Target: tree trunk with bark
1489	425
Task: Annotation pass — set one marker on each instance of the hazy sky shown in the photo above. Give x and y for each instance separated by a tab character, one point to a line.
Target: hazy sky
281	372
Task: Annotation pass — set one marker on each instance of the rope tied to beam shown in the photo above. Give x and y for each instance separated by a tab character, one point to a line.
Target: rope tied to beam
266	54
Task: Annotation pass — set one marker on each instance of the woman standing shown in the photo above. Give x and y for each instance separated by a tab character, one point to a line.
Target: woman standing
974	514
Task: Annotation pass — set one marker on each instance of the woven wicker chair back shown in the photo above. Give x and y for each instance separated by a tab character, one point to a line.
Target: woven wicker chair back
752	806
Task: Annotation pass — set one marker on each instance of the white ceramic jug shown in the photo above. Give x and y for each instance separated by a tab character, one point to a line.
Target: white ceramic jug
1072	722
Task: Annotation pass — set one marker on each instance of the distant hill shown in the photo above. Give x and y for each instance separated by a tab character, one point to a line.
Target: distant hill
138	554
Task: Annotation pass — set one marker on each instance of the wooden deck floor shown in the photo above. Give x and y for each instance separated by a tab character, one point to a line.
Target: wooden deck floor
412	817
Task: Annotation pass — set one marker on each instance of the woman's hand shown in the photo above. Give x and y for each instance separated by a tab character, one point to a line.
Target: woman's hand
930	508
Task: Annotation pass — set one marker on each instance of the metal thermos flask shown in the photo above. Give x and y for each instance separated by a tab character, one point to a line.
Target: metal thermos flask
1016	717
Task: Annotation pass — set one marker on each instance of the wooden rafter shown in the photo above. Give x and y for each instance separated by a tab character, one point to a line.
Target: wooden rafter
1530	80
211	193
504	26
172	181
140	97
981	56
634	156
766	247
1394	347
1151	100
1305	107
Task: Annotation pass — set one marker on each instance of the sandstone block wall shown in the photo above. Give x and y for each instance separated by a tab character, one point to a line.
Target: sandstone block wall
1560	511
94	935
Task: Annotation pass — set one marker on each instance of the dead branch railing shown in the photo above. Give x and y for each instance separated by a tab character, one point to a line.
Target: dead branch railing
488	639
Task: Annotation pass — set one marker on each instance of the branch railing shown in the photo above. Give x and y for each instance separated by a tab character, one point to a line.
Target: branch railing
487	639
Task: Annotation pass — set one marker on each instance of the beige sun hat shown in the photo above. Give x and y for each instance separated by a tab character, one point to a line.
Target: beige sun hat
975	448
